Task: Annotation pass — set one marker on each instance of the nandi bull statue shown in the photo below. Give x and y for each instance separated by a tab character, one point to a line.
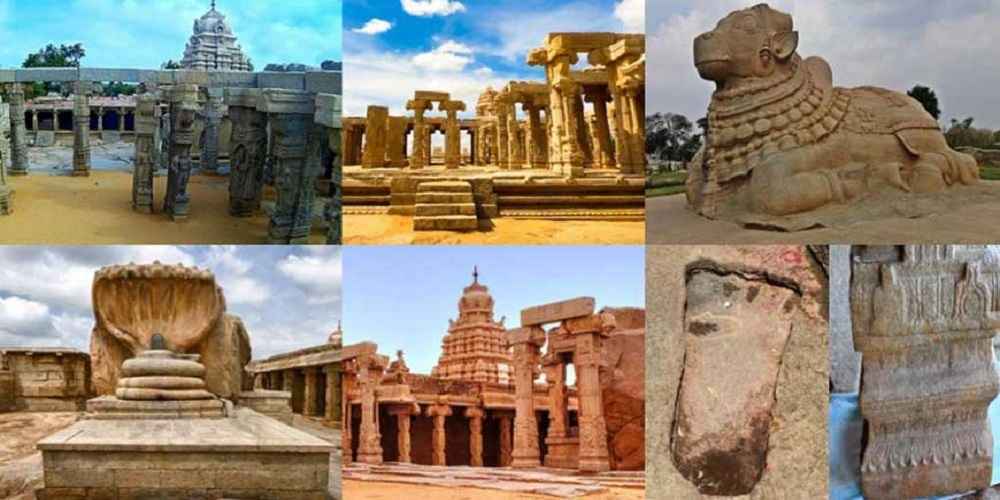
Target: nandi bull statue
782	141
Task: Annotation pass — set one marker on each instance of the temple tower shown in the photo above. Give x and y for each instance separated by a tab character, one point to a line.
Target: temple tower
213	45
474	348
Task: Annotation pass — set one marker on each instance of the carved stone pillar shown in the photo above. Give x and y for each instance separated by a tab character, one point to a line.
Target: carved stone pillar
506	440
537	133
602	131
370	368
924	319
121	120
555	375
18	136
526	343
350	370
515	156
587	360
310	404
403	438
452	133
475	416
501	138
566	155
298	160
212	114
5	204
328	114
258	381
81	129
183	101
419	155
275	382
396	141
247	151
146	122
334	394
375	137
439	412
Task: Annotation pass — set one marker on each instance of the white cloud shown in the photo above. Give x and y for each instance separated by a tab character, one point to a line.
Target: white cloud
449	56
374	26
426	8
17	314
632	14
318	276
950	49
232	272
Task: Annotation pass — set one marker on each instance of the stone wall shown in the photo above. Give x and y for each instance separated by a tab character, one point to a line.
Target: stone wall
45	381
71	475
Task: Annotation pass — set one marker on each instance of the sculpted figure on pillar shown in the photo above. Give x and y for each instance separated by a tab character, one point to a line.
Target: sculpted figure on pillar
183	106
782	140
526	343
370	368
297	148
147	120
211	115
248	150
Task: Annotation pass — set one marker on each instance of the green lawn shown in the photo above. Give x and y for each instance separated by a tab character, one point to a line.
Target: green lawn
665	183
989	173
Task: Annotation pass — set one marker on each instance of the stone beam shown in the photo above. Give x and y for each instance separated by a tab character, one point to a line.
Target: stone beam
557	311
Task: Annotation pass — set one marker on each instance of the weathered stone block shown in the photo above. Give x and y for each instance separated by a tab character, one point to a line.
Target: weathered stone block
558	311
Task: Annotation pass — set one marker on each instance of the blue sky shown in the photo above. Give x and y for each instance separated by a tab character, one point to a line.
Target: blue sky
402	297
458	46
289	297
146	33
950	46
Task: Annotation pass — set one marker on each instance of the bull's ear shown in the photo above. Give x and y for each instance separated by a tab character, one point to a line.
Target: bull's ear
785	44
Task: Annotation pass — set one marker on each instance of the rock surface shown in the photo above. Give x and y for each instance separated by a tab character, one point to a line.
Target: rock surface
623	390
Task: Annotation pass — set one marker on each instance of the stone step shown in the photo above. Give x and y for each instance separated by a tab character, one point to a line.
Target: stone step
435	209
433	197
446	223
444	186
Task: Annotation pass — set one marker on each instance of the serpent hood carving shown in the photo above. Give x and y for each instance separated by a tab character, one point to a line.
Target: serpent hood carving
782	140
132	303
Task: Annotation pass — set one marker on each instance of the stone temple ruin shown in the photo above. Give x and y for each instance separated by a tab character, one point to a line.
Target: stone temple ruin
924	319
755	427
482	404
174	415
43	379
786	149
284	126
559	159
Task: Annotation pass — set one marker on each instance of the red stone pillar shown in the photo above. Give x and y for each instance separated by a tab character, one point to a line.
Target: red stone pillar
439	412
506	441
526	343
590	332
475	416
369	439
403	414
346	443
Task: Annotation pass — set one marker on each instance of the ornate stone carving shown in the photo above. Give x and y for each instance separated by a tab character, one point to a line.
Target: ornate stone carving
439	412
5	203
211	115
248	145
296	147
183	101
370	368
783	140
147	119
81	129
526	343
924	319
133	303
18	135
475	416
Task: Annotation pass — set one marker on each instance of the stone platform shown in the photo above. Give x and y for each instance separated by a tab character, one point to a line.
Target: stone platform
110	407
247	455
529	193
545	481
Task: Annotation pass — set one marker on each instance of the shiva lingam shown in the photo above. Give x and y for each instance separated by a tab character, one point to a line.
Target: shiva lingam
160	374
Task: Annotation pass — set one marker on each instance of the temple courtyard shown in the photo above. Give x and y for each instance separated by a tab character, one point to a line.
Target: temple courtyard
97	208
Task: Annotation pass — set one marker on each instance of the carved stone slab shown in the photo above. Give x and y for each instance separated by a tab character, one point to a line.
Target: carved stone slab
557	311
924	318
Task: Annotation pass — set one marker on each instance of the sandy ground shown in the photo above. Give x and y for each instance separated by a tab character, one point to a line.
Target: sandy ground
668	221
57	209
398	230
371	490
20	462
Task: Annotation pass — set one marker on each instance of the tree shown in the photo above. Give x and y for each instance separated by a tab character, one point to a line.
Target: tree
670	137
962	133
115	89
171	64
63	56
927	98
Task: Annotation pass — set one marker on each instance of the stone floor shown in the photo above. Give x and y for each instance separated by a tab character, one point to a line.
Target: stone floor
20	462
669	221
546	482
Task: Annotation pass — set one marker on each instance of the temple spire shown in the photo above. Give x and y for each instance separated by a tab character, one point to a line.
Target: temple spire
213	4
475	274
